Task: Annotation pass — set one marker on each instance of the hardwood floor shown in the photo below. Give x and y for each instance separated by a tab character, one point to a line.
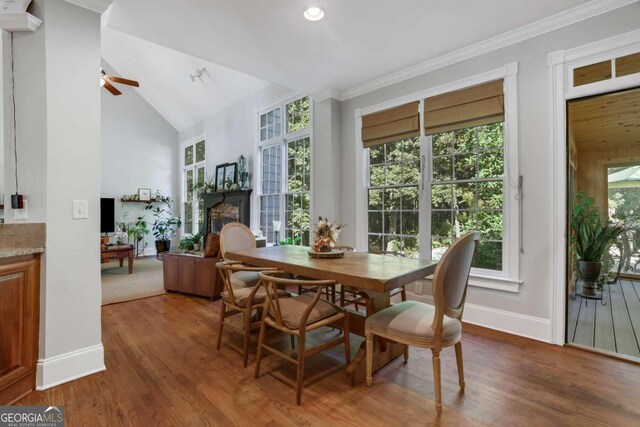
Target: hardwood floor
163	369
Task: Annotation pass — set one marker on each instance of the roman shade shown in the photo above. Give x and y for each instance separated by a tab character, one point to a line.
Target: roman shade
391	125
474	106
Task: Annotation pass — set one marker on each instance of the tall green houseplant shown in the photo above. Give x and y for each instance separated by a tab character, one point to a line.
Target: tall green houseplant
164	227
592	237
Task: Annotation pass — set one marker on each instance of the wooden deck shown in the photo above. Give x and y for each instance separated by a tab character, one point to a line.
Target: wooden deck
613	327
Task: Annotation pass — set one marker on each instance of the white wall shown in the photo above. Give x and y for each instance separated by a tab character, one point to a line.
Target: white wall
534	144
232	132
138	151
58	106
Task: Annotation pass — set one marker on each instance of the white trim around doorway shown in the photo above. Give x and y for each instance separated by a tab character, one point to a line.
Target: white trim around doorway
561	64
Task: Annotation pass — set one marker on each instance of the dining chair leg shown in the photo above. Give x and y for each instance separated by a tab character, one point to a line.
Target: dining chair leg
460	365
261	338
406	354
347	340
436	381
369	338
341	295
300	371
223	310
247	333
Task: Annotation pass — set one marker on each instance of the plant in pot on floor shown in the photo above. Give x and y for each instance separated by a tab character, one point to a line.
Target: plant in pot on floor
164	227
592	238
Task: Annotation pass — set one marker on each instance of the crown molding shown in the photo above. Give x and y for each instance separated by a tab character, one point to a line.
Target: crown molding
98	6
324	95
19	22
554	22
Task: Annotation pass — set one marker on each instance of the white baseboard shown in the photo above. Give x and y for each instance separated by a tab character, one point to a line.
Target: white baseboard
505	321
69	366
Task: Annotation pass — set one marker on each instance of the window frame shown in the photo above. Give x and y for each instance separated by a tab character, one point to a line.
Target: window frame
281	140
509	278
183	173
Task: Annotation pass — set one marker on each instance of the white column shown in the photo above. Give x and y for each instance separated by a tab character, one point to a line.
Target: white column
58	113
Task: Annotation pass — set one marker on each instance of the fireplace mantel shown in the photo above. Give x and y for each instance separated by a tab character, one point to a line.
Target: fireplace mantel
241	199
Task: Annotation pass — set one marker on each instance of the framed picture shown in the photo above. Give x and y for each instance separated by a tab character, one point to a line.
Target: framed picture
230	173
144	194
220	177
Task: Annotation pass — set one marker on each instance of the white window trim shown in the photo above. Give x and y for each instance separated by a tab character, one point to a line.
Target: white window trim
183	169
509	279
281	140
561	65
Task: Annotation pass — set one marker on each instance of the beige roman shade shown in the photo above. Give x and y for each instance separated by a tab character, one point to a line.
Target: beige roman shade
474	106
391	125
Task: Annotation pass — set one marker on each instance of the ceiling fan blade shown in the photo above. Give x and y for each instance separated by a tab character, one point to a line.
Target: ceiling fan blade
108	86
124	81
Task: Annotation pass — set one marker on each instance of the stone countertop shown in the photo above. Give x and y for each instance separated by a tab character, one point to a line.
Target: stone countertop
14	252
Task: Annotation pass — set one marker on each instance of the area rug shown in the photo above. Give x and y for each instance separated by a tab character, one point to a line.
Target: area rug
119	286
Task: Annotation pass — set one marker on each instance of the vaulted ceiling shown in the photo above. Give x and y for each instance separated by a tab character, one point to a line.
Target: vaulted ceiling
165	79
357	41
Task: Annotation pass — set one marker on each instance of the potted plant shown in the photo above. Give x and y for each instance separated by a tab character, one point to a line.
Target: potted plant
186	243
139	229
592	238
164	227
196	239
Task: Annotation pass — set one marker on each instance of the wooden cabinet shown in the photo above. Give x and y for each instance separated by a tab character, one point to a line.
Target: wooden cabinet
191	274
19	321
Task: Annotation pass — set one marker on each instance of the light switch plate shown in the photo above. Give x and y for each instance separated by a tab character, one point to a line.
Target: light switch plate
22	213
80	209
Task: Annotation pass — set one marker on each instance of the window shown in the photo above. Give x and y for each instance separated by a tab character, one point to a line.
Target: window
442	166
270	125
467	191
393	214
298	197
193	174
285	190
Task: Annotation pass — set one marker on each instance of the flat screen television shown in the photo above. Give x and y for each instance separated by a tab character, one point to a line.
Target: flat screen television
107	215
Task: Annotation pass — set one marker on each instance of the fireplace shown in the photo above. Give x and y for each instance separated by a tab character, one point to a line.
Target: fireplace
225	207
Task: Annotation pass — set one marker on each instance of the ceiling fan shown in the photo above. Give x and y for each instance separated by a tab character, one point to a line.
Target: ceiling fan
106	82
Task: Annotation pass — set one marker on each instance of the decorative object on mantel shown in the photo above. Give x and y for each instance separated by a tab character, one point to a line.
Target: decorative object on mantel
230	176
325	235
220	177
243	175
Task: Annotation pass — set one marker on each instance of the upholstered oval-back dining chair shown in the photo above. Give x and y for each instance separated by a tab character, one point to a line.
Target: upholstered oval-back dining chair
430	326
236	237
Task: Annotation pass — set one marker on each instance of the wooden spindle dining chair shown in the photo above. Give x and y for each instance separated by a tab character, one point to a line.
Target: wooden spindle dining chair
296	316
423	325
242	300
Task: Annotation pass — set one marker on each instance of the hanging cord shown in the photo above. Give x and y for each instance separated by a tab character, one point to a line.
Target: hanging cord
13	100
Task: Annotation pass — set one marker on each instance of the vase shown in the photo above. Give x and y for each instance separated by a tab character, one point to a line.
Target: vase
590	274
163	246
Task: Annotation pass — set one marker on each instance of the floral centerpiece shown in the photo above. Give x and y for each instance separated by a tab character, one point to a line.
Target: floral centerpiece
325	234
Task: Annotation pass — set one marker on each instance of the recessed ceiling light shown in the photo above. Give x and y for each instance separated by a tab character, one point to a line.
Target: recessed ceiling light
314	14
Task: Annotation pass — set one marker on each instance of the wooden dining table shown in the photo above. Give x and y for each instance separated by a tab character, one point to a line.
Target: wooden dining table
375	276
